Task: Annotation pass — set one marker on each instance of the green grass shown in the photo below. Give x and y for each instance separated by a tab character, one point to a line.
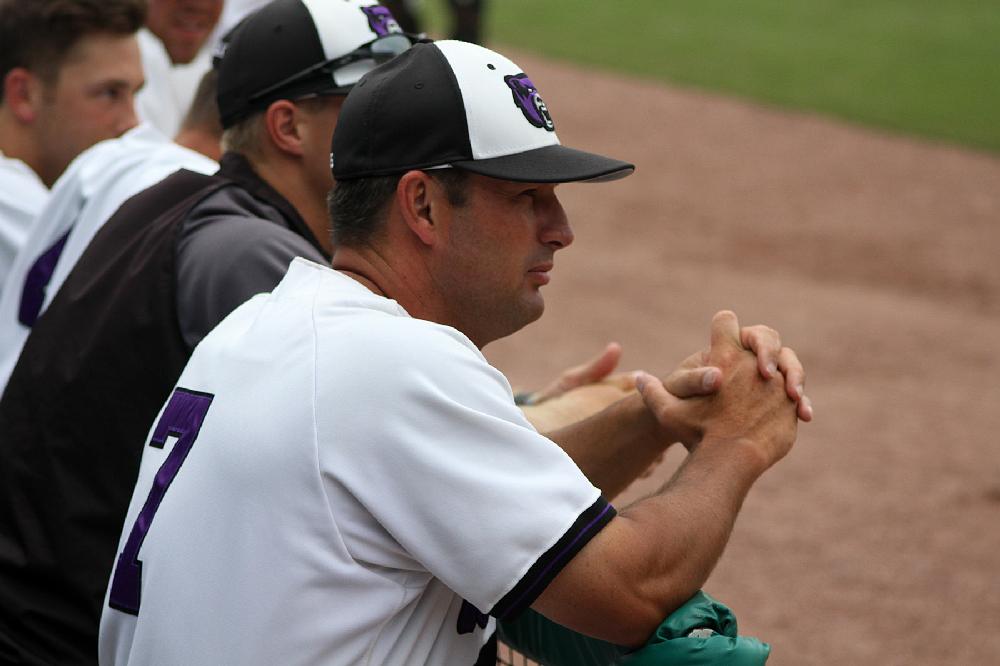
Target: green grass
930	68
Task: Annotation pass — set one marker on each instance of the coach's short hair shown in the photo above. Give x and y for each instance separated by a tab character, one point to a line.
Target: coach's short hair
245	135
38	34
203	113
357	206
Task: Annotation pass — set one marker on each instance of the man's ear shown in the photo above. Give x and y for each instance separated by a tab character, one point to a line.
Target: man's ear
22	94
281	122
423	204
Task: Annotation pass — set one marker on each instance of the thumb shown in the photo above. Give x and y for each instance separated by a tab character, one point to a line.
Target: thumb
600	366
688	383
725	332
674	415
589	372
654	394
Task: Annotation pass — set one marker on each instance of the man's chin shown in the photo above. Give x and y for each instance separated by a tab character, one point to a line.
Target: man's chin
534	309
182	52
527	314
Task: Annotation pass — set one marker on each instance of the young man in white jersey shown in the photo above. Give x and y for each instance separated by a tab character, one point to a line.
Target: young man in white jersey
68	73
340	477
96	183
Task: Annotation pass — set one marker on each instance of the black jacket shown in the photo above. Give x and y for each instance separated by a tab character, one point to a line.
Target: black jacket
92	376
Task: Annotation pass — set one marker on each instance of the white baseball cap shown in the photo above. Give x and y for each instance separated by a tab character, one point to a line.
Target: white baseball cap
454	104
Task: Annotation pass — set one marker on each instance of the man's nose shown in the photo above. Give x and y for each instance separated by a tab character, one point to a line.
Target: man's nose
127	119
556	232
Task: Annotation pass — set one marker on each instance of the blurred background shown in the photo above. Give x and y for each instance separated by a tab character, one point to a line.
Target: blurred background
915	66
831	169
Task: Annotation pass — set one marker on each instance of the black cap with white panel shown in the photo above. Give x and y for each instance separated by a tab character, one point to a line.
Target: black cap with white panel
454	104
290	49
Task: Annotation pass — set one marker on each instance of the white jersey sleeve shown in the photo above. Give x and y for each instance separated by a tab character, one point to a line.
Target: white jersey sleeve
424	435
22	197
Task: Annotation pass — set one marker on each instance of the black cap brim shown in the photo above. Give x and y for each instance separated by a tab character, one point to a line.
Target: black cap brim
550	164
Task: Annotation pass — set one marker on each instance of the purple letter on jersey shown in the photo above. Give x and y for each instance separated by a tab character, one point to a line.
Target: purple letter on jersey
381	20
527	99
37	280
182	419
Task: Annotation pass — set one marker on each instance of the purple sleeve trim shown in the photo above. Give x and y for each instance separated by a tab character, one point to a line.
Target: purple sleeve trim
590	522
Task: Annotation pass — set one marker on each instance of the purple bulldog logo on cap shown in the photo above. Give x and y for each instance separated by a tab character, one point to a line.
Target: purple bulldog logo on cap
381	20
527	99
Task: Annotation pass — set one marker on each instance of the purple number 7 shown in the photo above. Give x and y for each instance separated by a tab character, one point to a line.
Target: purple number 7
182	419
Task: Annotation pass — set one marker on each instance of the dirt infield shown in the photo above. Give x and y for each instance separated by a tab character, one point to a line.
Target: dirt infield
877	541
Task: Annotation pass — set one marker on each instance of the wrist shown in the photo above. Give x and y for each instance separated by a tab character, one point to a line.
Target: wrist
741	452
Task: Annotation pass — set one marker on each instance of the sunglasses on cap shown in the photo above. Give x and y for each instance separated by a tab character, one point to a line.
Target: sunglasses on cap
338	75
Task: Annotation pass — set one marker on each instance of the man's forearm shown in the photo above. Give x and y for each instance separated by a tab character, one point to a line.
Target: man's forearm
664	547
685	526
656	553
614	446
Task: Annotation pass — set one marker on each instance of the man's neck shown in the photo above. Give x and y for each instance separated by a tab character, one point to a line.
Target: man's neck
200	141
368	268
404	279
365	281
289	183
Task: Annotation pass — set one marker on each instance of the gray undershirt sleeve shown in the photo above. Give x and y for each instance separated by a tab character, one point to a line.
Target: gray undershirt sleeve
223	261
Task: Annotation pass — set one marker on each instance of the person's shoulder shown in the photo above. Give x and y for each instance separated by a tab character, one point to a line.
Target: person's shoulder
218	228
176	195
18	180
355	325
22	198
114	154
135	161
434	338
387	325
176	156
373	337
131	146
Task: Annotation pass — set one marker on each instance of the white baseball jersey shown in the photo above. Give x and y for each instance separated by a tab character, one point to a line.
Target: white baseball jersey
335	482
96	183
169	90
22	196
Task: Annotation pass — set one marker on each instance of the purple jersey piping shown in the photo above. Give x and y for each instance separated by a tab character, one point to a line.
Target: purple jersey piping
558	558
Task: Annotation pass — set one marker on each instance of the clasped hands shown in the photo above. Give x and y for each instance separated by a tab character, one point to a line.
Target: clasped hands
718	391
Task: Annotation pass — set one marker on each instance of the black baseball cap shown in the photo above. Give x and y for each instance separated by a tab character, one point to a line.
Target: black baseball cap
291	49
454	104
